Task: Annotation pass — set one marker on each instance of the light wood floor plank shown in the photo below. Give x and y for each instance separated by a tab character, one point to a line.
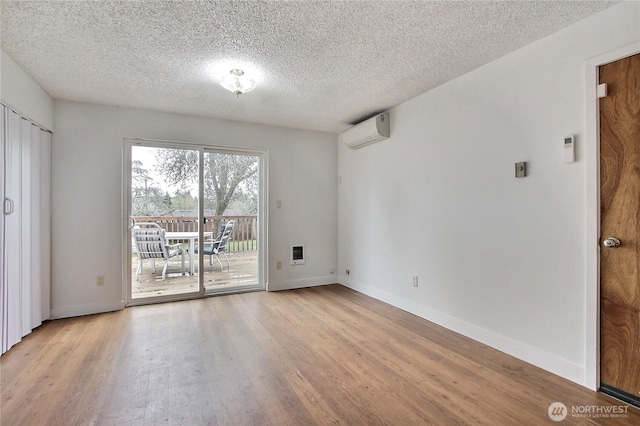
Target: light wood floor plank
324	355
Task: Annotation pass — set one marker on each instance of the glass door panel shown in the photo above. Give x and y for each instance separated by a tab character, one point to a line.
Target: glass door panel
164	233
231	209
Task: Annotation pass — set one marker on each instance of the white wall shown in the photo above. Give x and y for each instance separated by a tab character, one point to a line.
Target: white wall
499	259
20	92
87	183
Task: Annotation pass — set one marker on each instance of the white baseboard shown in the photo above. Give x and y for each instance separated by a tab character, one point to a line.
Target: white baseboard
89	309
530	354
302	283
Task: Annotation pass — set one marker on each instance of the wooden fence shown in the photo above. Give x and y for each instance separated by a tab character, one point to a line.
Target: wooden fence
243	238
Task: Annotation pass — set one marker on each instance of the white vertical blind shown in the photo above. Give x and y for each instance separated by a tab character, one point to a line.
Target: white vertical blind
26	262
12	246
34	245
3	309
45	225
25	234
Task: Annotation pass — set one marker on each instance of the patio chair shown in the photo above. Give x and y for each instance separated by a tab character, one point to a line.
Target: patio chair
219	245
151	244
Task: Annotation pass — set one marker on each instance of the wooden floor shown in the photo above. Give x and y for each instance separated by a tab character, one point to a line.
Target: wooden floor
324	355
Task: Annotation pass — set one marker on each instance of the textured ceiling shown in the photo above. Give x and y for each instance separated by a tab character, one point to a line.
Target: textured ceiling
320	65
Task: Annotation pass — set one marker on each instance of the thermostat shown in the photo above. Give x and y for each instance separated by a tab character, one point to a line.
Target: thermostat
569	149
297	255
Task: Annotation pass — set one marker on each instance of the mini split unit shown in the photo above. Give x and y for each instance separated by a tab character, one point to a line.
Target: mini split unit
369	131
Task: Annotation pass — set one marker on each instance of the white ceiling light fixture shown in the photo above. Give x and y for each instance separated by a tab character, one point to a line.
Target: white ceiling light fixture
238	83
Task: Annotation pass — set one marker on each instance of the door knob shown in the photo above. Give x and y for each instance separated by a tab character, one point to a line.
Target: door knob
612	242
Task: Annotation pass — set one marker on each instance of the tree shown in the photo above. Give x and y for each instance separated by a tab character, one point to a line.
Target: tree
147	199
183	200
227	177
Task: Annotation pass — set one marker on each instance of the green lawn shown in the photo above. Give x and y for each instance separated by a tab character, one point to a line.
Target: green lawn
245	245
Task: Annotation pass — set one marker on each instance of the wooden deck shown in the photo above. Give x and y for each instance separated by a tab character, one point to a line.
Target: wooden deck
242	272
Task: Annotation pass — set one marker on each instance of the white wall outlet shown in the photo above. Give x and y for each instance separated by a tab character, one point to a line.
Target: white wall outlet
278	265
415	281
100	280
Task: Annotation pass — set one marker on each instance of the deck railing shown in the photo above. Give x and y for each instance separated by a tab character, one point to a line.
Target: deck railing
245	231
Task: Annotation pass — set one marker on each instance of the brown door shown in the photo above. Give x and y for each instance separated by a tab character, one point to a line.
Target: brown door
620	210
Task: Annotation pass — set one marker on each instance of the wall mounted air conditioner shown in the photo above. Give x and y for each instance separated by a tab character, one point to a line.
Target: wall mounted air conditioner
369	131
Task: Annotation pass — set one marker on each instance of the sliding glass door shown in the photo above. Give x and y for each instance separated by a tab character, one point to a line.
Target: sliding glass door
231	200
164	221
193	221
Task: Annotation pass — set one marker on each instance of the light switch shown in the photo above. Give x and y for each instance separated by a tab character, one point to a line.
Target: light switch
521	169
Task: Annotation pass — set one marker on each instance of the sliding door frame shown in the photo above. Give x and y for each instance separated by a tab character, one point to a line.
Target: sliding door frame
263	203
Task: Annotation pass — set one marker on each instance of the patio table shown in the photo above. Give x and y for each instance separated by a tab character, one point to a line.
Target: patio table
192	237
